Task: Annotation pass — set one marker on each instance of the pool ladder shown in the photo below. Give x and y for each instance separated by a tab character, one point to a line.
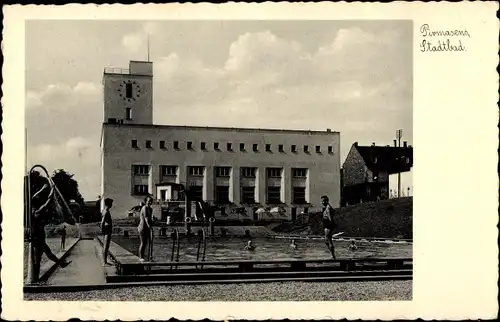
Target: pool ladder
175	247
202	246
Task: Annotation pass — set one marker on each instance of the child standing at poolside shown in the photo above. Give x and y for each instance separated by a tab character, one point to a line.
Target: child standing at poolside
63	237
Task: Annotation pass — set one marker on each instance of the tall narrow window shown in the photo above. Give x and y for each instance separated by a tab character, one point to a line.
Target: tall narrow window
247	172
128	90
176	145
168	170
299	173
196	171
222	171
248	194
221	195
134	144
128	113
273	195
148	144
299	195
140	170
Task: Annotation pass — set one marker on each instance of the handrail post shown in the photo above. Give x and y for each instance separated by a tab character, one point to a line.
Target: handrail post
175	236
204	246
200	239
178	246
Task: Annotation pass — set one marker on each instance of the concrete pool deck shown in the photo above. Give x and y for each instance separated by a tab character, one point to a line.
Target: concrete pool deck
85	268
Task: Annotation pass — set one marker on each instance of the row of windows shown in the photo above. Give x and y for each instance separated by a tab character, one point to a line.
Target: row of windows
247	194
229	147
246	172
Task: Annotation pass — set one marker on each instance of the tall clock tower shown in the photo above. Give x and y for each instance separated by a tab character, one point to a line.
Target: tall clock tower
128	94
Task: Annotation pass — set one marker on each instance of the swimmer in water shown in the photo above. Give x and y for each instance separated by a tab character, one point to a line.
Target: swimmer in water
353	246
249	246
293	245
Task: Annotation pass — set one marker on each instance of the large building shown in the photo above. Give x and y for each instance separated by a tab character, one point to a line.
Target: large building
239	169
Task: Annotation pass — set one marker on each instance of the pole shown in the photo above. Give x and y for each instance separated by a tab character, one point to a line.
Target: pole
148	47
399	134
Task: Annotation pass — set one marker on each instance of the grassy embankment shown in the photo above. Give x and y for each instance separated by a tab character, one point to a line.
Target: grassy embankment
391	218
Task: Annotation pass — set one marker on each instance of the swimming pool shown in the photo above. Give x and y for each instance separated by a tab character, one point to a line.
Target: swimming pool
232	248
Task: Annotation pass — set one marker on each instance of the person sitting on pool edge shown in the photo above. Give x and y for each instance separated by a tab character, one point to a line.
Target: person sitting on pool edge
293	245
353	245
249	246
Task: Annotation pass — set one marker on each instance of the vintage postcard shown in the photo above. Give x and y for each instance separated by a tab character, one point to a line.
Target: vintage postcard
250	161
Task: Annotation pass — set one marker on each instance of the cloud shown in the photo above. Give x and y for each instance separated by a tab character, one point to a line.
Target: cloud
271	81
133	42
264	51
137	41
77	155
59	112
63	97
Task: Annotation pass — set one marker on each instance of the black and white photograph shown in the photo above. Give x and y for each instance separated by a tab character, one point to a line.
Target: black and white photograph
231	155
202	161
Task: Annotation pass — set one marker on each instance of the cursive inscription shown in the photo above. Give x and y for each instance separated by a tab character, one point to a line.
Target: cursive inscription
442	40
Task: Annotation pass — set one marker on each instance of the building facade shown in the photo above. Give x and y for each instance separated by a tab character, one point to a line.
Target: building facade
366	170
239	169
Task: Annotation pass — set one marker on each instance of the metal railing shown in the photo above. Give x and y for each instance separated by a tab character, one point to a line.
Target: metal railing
116	70
202	242
175	246
150	248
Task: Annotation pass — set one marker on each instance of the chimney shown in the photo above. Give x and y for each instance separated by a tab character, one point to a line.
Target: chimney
373	143
405	144
328	130
395	143
356	144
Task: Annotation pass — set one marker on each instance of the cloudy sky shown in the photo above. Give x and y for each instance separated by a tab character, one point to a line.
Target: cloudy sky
354	77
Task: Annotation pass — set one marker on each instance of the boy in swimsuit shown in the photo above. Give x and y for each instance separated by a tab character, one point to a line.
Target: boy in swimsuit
145	226
107	227
328	224
38	241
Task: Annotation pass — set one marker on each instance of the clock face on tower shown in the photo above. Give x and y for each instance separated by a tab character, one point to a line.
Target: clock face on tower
129	90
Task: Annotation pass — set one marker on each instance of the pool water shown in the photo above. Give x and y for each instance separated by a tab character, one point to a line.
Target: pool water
231	248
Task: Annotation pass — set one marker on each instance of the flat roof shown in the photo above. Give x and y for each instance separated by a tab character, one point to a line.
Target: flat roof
216	128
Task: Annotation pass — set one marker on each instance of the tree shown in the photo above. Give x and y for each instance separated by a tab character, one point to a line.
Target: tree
68	187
